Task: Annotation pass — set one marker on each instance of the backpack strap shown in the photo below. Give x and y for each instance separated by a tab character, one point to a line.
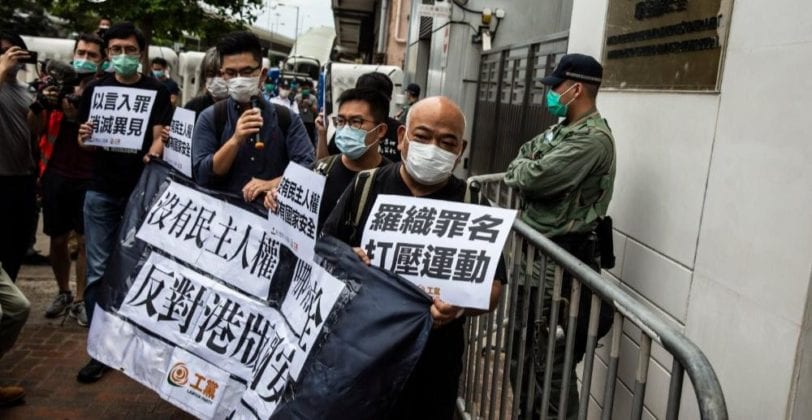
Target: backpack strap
283	118
325	165
220	117
361	189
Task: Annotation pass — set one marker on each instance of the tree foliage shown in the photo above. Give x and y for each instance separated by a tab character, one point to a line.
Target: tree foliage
160	20
27	17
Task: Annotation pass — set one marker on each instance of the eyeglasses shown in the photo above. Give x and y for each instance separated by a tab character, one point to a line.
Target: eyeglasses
355	122
245	72
117	50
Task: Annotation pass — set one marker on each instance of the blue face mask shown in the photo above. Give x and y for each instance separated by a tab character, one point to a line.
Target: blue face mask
159	74
554	104
352	141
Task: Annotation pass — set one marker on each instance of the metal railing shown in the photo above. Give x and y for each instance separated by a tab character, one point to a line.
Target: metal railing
490	389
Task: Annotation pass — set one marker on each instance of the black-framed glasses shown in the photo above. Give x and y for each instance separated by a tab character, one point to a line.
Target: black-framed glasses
118	50
244	72
355	122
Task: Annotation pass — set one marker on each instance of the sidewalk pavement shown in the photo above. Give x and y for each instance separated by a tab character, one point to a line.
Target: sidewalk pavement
49	354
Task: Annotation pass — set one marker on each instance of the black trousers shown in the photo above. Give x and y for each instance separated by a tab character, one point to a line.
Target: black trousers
17	220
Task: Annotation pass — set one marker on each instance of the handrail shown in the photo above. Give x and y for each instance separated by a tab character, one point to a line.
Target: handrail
710	397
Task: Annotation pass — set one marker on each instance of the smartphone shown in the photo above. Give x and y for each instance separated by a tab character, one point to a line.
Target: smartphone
32	58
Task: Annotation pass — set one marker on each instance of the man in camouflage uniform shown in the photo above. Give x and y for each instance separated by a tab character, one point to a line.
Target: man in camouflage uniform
565	176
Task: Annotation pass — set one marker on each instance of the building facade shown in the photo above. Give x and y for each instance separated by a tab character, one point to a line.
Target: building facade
714	186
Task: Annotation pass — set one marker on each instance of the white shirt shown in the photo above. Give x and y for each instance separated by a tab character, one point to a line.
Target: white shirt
284	102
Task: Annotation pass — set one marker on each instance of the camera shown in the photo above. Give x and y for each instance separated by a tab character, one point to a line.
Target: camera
32	58
60	77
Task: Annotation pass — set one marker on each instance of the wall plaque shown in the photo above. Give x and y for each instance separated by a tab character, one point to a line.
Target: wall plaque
665	44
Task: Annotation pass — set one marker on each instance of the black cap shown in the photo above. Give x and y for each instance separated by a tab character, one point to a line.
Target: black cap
578	67
284	83
414	89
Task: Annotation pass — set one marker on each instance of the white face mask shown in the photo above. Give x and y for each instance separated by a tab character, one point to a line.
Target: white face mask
217	87
242	89
429	164
284	93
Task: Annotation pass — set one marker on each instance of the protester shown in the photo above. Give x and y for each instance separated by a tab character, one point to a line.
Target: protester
14	310
389	145
104	25
270	89
412	95
116	171
213	87
65	182
432	145
160	71
284	98
308	108
237	147
360	124
17	163
566	176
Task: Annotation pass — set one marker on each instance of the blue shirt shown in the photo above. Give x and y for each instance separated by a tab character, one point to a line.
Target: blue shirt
268	163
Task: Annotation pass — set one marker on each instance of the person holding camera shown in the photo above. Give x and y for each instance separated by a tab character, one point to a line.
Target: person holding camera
68	171
17	183
17	165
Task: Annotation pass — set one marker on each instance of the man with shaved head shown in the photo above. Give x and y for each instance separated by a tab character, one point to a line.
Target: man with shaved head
431	145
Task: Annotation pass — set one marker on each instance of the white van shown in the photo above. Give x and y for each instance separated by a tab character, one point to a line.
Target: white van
339	77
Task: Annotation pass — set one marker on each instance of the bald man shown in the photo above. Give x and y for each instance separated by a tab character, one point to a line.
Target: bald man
431	144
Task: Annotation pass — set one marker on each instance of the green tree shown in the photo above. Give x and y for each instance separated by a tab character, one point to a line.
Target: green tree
27	17
162	21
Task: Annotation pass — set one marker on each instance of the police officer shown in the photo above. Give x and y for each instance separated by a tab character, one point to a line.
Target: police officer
565	176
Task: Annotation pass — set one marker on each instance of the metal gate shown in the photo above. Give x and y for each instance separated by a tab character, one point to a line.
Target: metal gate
510	106
495	377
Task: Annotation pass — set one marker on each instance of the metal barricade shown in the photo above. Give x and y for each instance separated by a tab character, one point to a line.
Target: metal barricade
490	389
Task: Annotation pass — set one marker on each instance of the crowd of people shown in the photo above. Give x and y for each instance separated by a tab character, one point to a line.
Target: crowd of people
565	174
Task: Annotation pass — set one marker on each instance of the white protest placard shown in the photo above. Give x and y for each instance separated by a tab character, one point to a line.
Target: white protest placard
178	150
311	295
296	217
221	239
120	116
223	326
449	249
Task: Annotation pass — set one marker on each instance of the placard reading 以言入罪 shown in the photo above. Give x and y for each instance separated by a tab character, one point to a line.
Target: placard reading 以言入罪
120	117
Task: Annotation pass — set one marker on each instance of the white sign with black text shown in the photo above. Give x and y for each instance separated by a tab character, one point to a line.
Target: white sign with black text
219	332
178	150
218	238
120	116
451	250
297	214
